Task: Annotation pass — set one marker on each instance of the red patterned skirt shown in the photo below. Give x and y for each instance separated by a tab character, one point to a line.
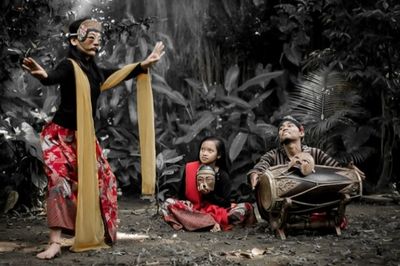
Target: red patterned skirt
60	160
181	214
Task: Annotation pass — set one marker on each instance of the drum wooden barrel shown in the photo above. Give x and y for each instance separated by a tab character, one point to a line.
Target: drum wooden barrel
321	190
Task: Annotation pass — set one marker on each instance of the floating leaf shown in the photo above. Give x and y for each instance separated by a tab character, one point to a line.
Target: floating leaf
236	100
133	116
292	53
203	122
259	99
143	46
116	97
263	79
231	78
195	84
175	96
237	145
31	139
38	180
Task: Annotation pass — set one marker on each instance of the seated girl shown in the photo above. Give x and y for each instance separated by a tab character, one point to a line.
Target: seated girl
205	196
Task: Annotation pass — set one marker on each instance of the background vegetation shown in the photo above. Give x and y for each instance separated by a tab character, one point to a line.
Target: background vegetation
232	69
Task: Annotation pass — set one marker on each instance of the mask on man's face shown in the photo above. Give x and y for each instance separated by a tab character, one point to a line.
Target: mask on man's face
89	25
205	179
303	163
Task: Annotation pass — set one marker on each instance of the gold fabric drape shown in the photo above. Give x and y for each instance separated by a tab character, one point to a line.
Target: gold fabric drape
145	110
89	228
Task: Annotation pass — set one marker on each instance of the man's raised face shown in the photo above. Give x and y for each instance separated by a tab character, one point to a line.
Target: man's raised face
289	131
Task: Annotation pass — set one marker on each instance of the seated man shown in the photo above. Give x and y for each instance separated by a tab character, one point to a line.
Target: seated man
291	133
298	157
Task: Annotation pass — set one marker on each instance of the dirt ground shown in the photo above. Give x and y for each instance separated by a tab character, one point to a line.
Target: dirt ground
372	238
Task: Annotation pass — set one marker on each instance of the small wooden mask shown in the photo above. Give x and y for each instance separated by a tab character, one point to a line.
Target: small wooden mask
302	162
205	179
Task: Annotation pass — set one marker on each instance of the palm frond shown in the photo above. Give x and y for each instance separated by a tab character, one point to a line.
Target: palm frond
356	156
324	96
326	103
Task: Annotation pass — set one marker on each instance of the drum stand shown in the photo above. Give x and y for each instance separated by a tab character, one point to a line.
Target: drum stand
329	219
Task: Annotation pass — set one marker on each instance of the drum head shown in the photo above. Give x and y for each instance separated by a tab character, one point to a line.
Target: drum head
265	192
320	190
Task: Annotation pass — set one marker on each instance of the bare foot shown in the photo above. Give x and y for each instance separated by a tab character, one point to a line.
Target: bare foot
53	250
216	228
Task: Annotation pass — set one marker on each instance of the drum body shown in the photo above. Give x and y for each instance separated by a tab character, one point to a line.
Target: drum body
321	190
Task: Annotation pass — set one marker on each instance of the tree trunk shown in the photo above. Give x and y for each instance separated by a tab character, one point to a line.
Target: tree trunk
387	142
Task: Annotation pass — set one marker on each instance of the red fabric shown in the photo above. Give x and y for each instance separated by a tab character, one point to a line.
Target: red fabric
191	192
220	214
322	216
195	214
182	216
60	160
242	213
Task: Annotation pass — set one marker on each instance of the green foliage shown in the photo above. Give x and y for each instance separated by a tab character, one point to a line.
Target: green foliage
328	105
362	41
231	69
359	39
221	110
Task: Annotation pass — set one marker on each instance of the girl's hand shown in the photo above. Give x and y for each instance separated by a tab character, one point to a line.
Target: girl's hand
156	55
216	228
34	68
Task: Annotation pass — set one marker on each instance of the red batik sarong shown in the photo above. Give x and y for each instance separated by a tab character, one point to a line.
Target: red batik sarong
193	214
196	214
181	215
60	160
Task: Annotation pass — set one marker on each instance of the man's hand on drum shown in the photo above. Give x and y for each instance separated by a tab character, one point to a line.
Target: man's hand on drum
351	165
254	180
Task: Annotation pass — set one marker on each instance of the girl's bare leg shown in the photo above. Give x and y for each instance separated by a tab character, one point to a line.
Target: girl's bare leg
54	247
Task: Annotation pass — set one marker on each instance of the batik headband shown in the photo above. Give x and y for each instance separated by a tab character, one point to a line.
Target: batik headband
86	26
291	120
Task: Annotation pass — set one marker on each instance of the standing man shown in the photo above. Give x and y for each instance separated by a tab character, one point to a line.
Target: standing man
82	190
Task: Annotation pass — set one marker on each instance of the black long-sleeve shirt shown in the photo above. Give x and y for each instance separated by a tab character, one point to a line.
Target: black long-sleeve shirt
63	74
221	195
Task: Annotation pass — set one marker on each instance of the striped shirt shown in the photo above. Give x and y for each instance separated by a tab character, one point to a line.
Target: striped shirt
278	156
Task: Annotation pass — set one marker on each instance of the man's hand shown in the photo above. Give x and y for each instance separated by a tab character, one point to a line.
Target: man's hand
34	68
351	165
156	55
254	180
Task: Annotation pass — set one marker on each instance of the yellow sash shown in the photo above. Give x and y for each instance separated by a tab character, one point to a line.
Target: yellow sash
89	228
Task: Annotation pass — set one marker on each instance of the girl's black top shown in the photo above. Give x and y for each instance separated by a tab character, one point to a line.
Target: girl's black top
63	74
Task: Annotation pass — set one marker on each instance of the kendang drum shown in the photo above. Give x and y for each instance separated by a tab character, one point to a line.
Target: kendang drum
284	192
